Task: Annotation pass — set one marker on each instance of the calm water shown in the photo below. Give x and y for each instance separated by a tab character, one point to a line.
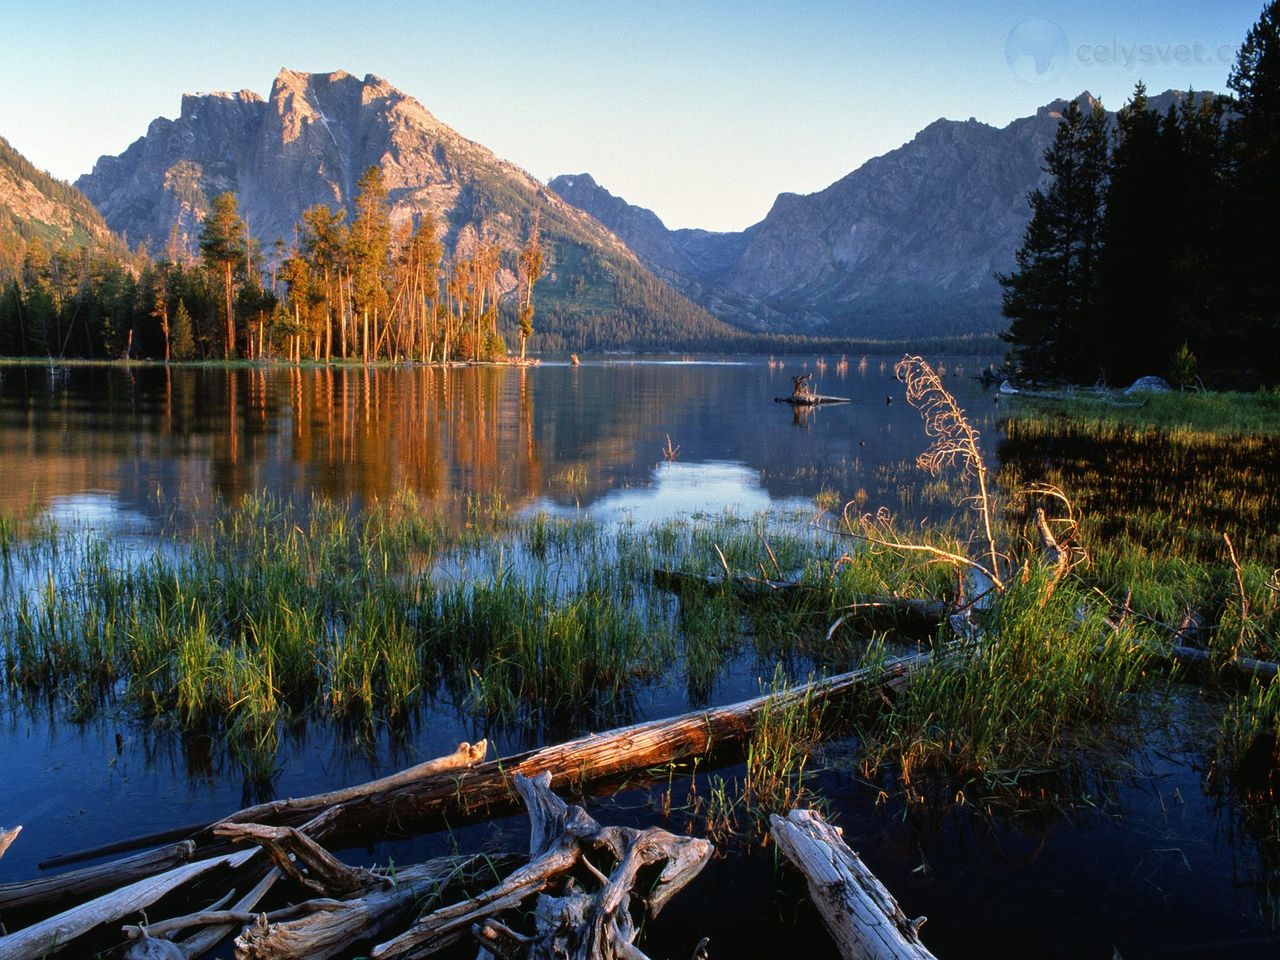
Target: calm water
114	446
1149	867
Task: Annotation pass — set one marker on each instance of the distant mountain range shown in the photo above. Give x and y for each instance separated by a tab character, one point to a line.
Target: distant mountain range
310	141
906	245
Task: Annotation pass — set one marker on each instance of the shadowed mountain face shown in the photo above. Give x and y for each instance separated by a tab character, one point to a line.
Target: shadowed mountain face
907	244
310	141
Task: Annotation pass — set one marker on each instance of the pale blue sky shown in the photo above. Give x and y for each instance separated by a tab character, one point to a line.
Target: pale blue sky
699	109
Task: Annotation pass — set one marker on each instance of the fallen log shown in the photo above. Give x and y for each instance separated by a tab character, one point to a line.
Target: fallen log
862	916
294	811
915	610
91	881
53	934
1239	666
331	927
488	788
574	925
8	836
811	400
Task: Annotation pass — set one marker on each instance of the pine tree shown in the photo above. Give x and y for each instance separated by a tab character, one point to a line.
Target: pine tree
223	246
1051	297
182	345
1143	239
1253	234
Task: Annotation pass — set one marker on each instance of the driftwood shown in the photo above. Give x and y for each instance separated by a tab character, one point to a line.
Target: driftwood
862	916
811	400
575	925
216	926
910	610
291	811
55	933
420	803
91	881
331	926
7	837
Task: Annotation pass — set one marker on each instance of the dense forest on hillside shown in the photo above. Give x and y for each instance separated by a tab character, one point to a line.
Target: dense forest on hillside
1154	247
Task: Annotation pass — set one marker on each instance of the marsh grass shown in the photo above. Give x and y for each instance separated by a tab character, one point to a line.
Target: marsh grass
982	718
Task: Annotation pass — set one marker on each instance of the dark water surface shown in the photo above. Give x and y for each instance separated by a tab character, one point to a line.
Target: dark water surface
1149	866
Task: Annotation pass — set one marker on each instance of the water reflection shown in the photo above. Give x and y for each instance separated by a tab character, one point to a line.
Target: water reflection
150	440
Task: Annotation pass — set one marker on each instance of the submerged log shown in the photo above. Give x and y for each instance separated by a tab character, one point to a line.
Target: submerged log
91	881
7	837
574	925
293	811
53	934
811	400
915	610
331	927
597	757
862	916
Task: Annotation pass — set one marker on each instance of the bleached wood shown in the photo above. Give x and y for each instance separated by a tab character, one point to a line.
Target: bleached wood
862	916
91	881
55	933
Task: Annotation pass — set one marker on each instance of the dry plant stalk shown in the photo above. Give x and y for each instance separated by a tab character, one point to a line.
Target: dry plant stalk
954	442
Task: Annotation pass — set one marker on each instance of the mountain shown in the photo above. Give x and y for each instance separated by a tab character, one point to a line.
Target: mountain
310	140
34	205
905	245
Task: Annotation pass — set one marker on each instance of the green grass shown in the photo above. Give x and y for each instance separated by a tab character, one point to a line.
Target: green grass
1175	413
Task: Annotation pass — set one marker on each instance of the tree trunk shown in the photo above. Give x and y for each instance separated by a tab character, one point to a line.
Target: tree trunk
861	915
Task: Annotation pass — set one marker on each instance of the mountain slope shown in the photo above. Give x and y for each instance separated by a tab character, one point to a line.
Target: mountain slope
310	141
34	205
907	244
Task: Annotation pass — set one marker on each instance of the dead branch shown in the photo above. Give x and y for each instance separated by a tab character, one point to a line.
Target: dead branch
862	916
8	836
575	924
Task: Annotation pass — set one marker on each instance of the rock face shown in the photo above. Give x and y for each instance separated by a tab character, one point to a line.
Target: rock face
307	143
907	244
34	204
310	141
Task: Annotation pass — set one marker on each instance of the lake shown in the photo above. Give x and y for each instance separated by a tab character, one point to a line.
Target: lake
1147	864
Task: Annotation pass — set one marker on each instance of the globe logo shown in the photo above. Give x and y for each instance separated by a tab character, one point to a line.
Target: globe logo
1036	50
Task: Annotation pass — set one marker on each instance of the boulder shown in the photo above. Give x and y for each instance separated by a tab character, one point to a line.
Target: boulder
1149	385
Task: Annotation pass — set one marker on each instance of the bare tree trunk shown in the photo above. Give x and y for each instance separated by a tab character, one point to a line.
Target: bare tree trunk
861	915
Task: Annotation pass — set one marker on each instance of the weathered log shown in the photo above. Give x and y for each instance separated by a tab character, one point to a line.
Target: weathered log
303	860
862	916
152	941
292	811
332	930
8	836
53	934
915	610
811	400
487	788
91	881
575	925
1239	666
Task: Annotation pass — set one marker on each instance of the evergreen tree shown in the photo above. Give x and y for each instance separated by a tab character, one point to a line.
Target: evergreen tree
1143	237
1253	235
223	246
1051	297
182	345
